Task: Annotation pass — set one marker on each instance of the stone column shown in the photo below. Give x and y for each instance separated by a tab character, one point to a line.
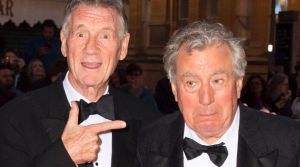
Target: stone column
242	18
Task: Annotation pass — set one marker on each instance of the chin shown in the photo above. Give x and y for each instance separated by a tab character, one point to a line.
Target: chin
208	127
207	132
91	79
89	82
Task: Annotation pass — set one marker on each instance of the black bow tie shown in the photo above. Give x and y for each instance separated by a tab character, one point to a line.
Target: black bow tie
217	153
104	107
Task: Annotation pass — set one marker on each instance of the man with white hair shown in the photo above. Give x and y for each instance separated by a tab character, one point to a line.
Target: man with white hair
206	66
81	120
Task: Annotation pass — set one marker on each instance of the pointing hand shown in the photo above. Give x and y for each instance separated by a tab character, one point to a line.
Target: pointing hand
83	142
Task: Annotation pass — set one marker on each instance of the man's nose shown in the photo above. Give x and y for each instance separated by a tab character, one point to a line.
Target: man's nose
206	94
91	45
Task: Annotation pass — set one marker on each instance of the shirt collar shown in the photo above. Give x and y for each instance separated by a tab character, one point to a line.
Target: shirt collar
72	94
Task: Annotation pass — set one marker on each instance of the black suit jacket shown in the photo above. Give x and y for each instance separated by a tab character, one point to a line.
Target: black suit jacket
265	140
31	128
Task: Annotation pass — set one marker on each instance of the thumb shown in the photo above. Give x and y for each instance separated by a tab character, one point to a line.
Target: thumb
73	114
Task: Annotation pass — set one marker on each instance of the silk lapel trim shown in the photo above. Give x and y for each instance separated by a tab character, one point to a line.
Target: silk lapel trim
54	128
58	112
247	158
168	152
252	148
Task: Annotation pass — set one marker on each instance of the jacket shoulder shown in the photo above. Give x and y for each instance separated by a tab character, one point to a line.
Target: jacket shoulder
40	99
130	107
167	128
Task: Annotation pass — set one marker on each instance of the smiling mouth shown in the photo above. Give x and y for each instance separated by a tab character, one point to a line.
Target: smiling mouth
92	65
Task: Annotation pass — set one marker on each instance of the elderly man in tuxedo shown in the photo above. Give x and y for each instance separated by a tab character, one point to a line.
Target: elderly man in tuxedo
47	128
206	66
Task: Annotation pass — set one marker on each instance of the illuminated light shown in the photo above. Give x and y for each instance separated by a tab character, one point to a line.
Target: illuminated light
270	48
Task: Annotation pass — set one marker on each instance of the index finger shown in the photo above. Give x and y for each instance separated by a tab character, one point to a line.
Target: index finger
107	126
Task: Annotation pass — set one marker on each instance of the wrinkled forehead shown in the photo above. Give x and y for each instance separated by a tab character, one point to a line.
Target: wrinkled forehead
95	11
211	50
95	14
210	58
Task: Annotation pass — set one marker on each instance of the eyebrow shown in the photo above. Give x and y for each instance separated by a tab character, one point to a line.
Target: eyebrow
221	71
188	74
107	28
77	28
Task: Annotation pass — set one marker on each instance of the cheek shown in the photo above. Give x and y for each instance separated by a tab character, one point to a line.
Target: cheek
224	95
226	99
72	48
73	53
226	104
188	104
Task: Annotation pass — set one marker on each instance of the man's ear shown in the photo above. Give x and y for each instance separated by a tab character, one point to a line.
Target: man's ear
239	86
124	46
174	90
63	43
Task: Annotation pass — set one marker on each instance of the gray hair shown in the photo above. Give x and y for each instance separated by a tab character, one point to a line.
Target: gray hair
200	35
116	5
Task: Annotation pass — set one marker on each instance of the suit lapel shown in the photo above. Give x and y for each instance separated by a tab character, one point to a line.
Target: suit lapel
253	150
54	128
57	111
124	140
246	158
172	156
168	152
124	144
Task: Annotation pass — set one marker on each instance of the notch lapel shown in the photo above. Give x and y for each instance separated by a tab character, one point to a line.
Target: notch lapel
164	149
166	155
124	141
57	108
247	158
253	150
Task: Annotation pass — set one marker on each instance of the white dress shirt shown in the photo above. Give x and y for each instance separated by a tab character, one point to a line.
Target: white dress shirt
230	138
105	153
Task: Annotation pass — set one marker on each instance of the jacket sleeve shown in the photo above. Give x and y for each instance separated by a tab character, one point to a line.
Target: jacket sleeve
17	151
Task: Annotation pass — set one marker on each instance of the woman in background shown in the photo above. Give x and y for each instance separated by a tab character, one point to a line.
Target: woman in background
254	93
34	76
279	95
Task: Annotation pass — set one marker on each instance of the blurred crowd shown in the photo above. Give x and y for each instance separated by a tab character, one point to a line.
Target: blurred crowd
278	94
39	65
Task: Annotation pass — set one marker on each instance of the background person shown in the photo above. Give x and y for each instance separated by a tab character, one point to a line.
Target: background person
45	46
34	76
7	89
135	85
117	79
279	95
16	62
294	81
254	93
164	97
